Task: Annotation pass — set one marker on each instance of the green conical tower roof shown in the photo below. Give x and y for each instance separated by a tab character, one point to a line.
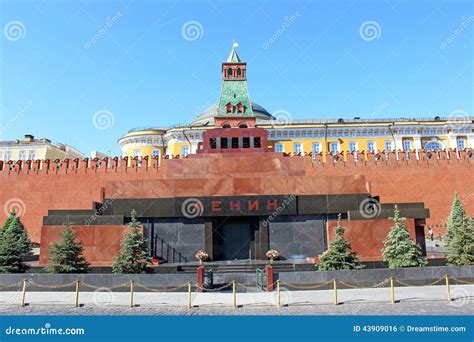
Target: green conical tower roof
234	100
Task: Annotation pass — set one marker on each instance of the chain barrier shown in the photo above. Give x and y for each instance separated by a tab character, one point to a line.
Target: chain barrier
105	287
416	285
462	281
172	289
31	282
304	287
18	283
201	288
376	285
249	287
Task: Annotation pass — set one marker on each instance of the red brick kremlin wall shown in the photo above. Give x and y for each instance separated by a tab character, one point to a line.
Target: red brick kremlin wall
76	184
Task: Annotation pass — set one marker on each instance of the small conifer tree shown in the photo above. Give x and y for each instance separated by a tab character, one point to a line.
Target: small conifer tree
133	257
339	255
461	244
399	249
455	219
66	256
14	246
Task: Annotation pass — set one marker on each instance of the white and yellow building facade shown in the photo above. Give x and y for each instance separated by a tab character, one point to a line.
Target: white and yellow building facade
289	135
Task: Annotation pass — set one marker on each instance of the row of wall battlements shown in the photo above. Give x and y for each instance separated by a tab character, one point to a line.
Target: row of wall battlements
148	163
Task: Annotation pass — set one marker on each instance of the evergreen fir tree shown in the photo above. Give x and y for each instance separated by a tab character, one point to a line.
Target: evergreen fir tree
455	219
133	257
10	217
66	256
14	245
461	244
399	250
339	255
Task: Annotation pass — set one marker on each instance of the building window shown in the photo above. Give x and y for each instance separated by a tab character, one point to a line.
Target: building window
388	145
315	148
460	143
155	153
8	155
137	153
246	142
184	150
371	146
224	143
334	147
1	155
352	146
32	155
433	145
22	155
213	143
297	148
279	148
235	142
257	142
407	145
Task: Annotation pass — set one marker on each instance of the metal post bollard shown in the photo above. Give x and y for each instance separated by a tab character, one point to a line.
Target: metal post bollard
77	293
448	288
23	293
234	297
393	290
132	285
278	294
334	283
189	295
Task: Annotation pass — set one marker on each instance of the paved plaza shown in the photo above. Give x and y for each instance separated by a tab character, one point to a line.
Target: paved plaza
421	300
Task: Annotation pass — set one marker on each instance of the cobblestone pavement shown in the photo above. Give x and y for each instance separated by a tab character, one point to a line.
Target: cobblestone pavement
411	308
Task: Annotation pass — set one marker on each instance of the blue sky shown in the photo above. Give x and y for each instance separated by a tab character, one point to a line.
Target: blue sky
150	63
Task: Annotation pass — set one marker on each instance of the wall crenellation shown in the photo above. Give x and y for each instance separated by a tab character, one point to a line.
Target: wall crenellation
149	163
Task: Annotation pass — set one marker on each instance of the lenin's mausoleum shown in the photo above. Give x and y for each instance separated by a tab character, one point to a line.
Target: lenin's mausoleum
237	182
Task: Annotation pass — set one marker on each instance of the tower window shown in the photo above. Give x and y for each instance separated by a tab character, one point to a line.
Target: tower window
243	125
239	72
226	125
213	143
229	72
246	142
235	142
224	143
256	142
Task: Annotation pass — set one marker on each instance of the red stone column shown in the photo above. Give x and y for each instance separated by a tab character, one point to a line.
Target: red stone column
200	279
270	277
